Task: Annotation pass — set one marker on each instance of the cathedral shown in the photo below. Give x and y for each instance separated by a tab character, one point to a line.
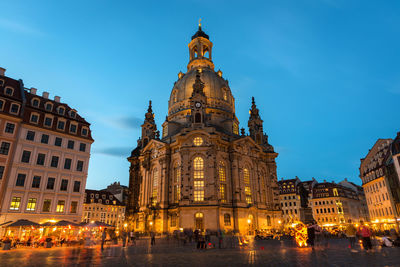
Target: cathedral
202	173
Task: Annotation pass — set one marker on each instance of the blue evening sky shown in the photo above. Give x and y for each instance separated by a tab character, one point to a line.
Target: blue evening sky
325	73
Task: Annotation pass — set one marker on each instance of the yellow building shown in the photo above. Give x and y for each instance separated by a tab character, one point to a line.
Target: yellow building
104	207
376	183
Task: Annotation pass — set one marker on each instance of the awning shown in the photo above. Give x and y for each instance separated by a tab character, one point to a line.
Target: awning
22	222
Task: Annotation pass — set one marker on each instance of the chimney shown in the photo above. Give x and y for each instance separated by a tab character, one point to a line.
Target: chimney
2	71
45	95
33	91
57	99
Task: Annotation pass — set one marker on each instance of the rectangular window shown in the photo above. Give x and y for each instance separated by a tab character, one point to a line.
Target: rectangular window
50	183
34	118
40	159
45	139
14	108
48	121
20	179
77	186
58	141
4	148
82	147
84	131
30	135
15	203
67	164
60	125
72	128
36	182
26	155
46	205
31	204
74	206
1	172
9	128
60	206
79	165
71	144
54	161
64	185
222	192
198	190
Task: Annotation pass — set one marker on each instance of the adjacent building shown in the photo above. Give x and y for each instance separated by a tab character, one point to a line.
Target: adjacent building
380	180
202	173
44	155
119	191
102	206
334	204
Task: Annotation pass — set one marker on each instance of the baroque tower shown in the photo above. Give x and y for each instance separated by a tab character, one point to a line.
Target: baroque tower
201	174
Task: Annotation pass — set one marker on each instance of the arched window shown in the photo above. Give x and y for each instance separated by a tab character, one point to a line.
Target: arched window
227	219
222	181
199	220
35	102
198	177
268	220
247	189
177	179
154	194
175	96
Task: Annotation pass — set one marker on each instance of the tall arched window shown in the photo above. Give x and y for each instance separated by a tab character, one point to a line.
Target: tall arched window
177	179
222	181
198	177
268	220
247	189
154	194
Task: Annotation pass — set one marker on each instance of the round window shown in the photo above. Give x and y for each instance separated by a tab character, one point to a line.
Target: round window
198	141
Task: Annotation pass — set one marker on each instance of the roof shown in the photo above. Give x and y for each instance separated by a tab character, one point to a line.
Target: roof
200	33
101	197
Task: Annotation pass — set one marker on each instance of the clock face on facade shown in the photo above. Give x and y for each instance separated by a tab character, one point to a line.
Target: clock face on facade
198	104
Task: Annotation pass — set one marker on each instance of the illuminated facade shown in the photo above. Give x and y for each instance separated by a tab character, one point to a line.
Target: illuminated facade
102	206
202	173
381	183
44	167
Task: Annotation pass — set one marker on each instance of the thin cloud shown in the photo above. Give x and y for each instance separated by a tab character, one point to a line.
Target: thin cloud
115	151
130	122
14	26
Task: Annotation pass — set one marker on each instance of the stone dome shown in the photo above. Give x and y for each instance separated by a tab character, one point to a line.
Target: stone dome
216	89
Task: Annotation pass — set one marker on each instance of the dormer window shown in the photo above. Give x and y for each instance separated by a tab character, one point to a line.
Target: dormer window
34	118
9	91
14	109
61	110
111	197
61	125
72	114
49	107
73	128
1	82
97	195
35	102
84	131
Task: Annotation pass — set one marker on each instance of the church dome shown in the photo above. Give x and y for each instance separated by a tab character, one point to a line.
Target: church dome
216	89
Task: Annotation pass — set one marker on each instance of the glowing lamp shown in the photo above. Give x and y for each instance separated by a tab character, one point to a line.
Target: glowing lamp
151	223
248	221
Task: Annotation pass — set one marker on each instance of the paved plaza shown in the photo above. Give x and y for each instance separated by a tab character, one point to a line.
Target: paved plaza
259	253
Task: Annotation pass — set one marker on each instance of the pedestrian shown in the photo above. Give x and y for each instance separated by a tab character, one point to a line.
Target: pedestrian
351	232
103	238
132	237
124	236
220	238
311	234
153	238
365	233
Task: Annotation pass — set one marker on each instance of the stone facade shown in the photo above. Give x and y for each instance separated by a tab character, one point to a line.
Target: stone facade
202	174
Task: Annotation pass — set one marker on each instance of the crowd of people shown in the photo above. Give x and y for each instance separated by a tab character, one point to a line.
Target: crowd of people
363	233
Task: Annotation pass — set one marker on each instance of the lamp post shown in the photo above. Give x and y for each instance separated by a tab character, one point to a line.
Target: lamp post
248	223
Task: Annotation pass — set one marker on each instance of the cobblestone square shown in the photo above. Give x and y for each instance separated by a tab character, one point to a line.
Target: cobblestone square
257	253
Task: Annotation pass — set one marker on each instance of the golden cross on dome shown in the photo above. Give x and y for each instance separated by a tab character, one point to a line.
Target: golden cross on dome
200	22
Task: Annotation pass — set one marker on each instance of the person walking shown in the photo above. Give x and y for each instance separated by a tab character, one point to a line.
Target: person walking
124	236
103	238
311	234
153	238
351	232
365	234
